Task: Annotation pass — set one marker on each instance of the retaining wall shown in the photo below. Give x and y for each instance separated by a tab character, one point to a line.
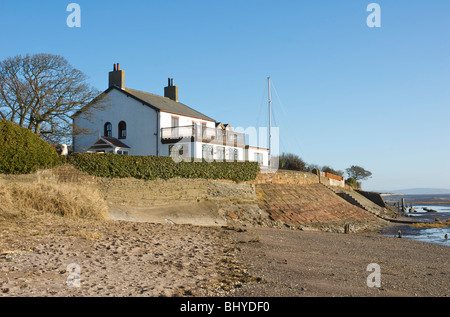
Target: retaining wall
298	178
306	204
374	197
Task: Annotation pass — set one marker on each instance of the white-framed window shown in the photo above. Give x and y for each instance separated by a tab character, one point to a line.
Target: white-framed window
207	152
203	133
233	154
259	158
122	130
221	153
175	124
107	129
122	152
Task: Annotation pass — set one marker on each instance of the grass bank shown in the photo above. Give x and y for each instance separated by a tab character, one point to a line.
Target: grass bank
70	200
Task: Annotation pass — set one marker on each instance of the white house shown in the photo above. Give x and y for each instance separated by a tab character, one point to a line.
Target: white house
132	122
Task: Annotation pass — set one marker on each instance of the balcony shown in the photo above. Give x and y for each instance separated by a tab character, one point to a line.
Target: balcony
192	133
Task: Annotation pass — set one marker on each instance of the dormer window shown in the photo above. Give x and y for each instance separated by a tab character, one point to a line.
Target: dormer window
122	130
108	129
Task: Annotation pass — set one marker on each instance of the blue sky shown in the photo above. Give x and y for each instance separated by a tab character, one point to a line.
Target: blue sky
346	94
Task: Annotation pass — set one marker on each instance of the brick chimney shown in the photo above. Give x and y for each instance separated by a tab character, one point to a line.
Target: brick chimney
117	77
171	91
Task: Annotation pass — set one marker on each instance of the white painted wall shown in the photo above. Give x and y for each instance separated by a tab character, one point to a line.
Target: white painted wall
141	123
166	120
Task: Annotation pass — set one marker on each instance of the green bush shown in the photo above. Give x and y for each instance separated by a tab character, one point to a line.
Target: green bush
289	161
352	182
22	151
153	167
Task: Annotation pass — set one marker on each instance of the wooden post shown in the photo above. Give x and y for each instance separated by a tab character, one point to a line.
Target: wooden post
347	228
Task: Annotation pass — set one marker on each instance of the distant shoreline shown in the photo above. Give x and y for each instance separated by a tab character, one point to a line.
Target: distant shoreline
422	199
431	203
393	194
417	192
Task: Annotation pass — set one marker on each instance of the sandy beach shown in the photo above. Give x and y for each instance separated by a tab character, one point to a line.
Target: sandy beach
39	255
140	253
130	259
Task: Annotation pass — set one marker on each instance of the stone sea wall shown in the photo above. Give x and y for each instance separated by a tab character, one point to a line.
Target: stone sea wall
299	178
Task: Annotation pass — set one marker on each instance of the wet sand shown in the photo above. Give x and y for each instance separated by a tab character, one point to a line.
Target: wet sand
296	263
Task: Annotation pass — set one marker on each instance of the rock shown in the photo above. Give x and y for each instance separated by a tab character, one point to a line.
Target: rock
169	221
309	229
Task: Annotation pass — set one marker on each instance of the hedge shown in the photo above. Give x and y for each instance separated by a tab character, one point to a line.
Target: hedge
153	167
22	151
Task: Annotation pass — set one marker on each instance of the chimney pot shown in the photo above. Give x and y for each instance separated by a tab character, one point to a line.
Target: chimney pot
117	77
171	91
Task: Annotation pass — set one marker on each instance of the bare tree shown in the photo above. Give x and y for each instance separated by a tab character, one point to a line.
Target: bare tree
41	92
358	173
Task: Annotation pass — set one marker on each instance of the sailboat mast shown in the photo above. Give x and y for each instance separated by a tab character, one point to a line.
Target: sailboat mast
270	121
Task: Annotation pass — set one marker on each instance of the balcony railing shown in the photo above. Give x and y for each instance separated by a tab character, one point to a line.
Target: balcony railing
194	133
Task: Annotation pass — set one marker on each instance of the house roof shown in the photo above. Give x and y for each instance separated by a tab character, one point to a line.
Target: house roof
108	142
157	102
115	141
223	125
167	104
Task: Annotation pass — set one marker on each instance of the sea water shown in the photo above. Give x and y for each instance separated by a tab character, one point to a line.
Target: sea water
441	206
